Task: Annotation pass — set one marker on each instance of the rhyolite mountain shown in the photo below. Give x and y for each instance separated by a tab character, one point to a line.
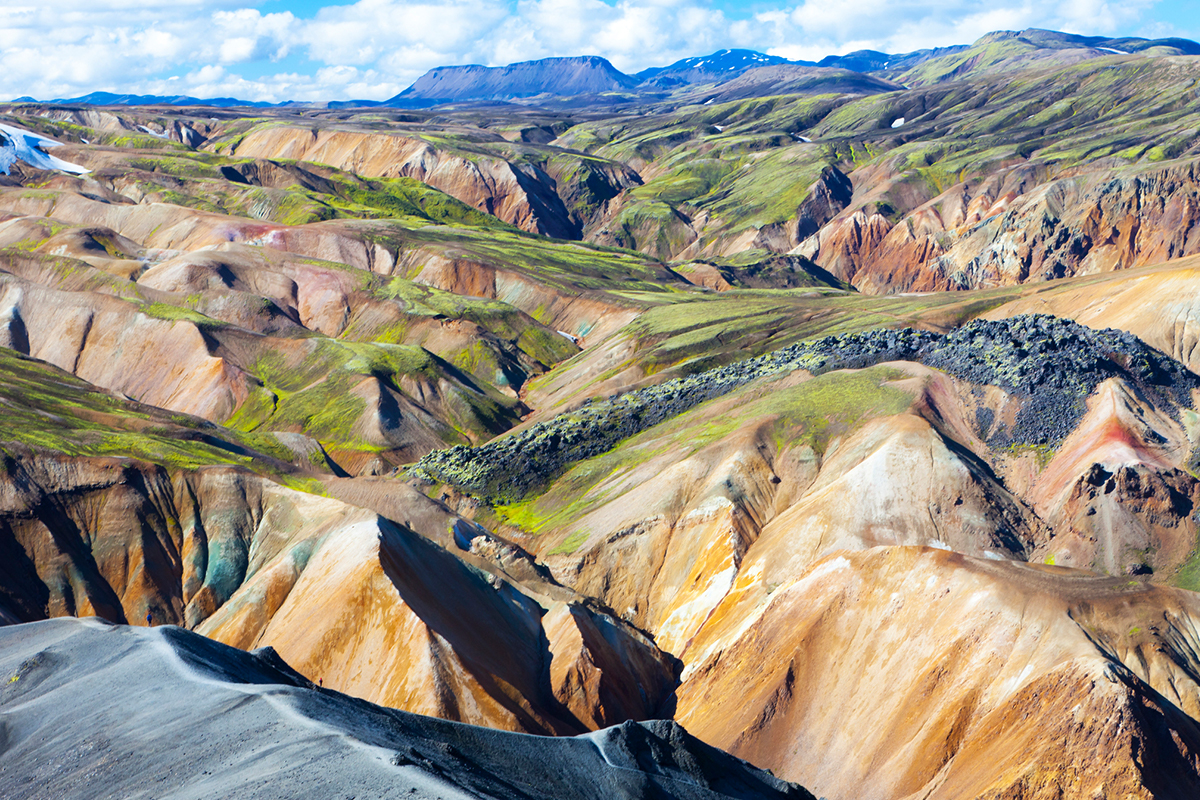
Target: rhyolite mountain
848	420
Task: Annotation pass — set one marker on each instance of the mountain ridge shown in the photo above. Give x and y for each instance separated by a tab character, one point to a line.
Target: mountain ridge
589	74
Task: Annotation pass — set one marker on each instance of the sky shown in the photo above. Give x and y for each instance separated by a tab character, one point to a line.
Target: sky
311	50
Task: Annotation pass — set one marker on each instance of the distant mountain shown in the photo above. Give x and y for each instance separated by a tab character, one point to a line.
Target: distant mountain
875	61
593	75
111	99
795	79
1057	40
576	75
719	66
1010	51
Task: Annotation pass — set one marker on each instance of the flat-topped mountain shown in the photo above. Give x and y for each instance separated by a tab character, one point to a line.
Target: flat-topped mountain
556	76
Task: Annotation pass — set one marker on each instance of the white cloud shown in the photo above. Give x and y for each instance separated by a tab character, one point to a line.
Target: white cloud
373	48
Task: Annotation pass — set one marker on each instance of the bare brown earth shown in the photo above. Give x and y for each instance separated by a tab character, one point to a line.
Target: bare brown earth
735	552
949	676
1012	228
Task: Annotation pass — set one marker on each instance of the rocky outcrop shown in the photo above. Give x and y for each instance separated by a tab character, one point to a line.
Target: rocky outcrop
1006	231
1156	304
1053	365
520	194
557	196
1117	494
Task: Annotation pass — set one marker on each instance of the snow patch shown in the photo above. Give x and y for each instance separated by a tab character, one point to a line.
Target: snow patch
709	101
22	145
152	133
574	339
719	127
1114	50
898	122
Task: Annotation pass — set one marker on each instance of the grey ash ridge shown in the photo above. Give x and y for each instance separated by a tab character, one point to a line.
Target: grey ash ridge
210	721
1053	364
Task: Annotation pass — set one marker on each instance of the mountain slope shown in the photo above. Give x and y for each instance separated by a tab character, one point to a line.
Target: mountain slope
117	510
901	672
873	458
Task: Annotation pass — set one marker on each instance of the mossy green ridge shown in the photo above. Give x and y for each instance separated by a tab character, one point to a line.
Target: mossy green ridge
289	192
739	166
808	414
321	386
49	410
507	346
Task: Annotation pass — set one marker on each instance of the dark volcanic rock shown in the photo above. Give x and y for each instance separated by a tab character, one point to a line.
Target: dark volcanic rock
89	709
1050	363
1054	364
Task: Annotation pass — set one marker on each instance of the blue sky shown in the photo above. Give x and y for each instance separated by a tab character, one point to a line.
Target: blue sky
311	50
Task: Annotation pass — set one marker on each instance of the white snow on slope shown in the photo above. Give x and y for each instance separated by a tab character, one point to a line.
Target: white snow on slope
22	145
1111	50
899	121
